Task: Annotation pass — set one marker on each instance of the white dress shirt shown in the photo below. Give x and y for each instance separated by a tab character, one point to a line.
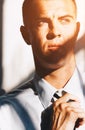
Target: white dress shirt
32	104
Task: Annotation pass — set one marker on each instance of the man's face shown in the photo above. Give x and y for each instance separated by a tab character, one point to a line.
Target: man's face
53	30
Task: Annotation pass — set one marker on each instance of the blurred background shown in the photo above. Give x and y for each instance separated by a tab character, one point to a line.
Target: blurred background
16	59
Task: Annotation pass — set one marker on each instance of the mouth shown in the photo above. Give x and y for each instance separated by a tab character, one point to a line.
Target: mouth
53	47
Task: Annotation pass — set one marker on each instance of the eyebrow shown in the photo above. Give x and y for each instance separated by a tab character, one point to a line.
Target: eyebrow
60	17
66	16
43	19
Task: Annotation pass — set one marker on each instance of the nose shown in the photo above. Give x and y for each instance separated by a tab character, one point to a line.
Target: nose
54	31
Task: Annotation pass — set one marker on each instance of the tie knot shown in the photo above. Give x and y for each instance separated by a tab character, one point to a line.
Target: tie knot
57	95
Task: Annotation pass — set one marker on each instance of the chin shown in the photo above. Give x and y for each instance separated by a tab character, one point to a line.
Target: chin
55	65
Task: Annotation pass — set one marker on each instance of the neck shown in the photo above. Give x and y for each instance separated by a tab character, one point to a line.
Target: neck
60	76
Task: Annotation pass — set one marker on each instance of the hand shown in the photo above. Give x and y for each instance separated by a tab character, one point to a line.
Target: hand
67	113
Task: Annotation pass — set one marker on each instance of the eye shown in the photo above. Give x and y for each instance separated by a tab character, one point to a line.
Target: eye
65	21
41	22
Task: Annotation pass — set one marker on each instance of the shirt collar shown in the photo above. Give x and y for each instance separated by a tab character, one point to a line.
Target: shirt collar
75	86
46	91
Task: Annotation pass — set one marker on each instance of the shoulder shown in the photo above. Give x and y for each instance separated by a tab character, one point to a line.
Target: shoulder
24	94
27	86
83	77
21	89
83	82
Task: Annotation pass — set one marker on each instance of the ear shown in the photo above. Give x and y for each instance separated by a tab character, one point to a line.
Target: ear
77	28
25	34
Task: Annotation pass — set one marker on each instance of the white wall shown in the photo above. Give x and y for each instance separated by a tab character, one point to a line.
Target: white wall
17	56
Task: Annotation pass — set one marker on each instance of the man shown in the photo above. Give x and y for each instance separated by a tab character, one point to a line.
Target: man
50	27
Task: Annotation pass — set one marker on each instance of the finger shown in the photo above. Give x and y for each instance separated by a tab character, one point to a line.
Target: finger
61	118
76	114
60	113
74	109
70	104
64	113
63	106
55	118
66	98
69	97
67	119
68	123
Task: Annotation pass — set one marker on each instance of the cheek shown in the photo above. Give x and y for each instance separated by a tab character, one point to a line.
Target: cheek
37	41
70	33
41	32
39	38
42	35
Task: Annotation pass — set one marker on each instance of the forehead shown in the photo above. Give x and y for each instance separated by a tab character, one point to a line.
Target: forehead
52	2
43	6
35	8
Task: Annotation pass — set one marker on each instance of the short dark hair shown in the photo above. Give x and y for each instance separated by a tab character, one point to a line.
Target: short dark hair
27	5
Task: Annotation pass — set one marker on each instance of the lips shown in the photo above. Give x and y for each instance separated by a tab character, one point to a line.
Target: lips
53	47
